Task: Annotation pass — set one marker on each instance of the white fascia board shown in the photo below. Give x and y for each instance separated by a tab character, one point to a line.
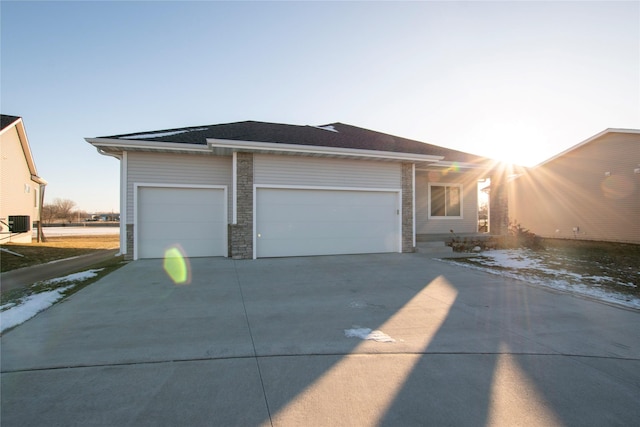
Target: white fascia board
461	165
26	148
12	125
146	145
314	149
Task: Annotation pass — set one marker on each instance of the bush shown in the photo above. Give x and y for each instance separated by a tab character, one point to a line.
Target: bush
517	237
520	237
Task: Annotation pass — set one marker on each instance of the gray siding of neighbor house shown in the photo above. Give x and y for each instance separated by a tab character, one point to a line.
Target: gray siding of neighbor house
180	169
572	191
469	221
324	172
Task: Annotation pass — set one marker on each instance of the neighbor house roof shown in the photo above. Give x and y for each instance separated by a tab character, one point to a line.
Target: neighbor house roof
6	120
587	141
261	136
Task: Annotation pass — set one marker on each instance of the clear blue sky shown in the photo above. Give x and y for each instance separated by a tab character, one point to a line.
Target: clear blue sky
509	80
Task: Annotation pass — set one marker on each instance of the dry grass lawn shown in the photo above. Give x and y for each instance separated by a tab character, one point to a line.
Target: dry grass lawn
53	249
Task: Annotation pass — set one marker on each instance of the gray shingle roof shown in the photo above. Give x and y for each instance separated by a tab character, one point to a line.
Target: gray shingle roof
337	135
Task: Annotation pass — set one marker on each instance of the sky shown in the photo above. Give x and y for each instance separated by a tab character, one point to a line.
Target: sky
514	81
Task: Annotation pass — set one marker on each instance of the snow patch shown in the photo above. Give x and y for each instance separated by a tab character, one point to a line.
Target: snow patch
13	314
521	265
75	277
160	134
368	334
29	307
330	128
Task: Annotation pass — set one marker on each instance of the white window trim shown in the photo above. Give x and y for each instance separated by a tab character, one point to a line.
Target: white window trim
445	184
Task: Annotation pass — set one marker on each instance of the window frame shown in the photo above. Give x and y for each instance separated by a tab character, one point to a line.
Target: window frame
445	185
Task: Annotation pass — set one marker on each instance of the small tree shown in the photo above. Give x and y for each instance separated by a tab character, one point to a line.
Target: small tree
48	214
61	209
522	237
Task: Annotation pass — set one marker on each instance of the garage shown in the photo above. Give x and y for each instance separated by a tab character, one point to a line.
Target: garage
302	222
193	219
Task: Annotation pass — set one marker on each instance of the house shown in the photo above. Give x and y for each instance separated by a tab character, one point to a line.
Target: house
254	189
590	191
21	189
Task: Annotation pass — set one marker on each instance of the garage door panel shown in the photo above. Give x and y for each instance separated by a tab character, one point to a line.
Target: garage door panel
319	222
193	218
347	229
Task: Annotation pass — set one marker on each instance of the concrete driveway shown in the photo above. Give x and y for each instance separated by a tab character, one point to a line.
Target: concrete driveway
263	343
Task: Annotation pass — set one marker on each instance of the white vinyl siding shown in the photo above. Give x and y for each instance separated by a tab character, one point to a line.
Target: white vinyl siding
180	169
325	172
466	223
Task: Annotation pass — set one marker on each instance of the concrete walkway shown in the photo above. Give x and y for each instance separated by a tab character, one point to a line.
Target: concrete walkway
29	275
263	343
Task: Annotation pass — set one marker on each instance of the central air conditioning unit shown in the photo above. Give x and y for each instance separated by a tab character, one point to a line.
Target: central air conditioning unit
19	223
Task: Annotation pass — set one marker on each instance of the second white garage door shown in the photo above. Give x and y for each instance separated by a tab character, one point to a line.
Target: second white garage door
193	218
300	222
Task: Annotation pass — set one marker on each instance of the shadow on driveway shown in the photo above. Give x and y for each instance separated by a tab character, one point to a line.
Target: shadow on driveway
263	343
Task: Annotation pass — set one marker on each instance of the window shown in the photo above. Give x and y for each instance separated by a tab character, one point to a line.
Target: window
445	201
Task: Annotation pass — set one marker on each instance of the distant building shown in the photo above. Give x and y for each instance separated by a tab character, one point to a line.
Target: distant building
21	189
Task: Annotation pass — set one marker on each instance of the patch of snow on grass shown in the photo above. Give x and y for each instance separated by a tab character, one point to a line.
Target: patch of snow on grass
13	314
523	265
75	277
29	307
368	334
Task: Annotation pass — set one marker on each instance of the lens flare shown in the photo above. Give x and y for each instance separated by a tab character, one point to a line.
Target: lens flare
176	265
617	187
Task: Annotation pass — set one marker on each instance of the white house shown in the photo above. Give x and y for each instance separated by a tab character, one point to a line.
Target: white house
21	189
254	189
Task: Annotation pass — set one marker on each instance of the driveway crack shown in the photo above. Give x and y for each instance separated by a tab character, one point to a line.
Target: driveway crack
253	344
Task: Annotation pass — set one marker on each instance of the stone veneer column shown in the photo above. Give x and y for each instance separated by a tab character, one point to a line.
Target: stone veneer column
241	233
498	205
407	207
129	241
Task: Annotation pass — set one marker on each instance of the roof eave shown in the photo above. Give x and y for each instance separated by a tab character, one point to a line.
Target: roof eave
24	142
114	144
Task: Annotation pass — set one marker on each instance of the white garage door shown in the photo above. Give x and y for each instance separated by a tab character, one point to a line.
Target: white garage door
296	222
193	218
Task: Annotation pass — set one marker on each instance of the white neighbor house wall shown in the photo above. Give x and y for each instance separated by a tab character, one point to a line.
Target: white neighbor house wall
19	194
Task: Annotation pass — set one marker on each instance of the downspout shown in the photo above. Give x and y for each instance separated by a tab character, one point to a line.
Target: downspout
41	186
40	234
123	196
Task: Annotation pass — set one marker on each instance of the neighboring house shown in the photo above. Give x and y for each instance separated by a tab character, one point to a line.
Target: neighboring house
589	192
21	189
254	189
